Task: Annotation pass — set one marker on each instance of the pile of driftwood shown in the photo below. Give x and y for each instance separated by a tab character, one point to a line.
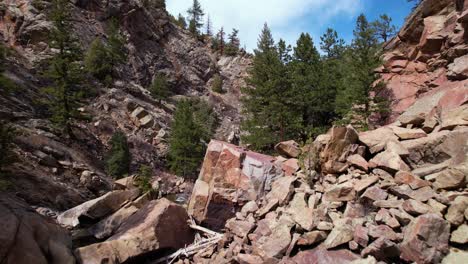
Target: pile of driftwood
203	242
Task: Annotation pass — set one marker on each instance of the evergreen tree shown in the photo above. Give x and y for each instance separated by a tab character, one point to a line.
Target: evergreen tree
232	48
185	147
220	43
160	88
116	45
331	44
63	67
284	52
118	158
143	179
209	27
6	139
383	28
205	117
217	85
195	18
6	84
363	59
95	57
268	104
181	21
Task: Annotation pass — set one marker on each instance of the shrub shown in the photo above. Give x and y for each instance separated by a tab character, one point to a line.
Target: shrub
143	179
217	85
159	88
95	61
118	159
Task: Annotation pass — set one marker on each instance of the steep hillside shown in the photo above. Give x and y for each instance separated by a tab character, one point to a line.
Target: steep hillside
60	172
426	65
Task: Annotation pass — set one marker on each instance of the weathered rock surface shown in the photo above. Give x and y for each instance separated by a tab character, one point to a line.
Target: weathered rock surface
27	237
158	225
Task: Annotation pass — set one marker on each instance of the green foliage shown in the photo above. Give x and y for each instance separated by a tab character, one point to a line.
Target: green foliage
64	69
219	43
115	44
7	134
143	179
154	4
181	22
95	60
209	27
195	18
232	48
193	123
362	59
383	28
205	117
269	103
159	88
217	85
118	159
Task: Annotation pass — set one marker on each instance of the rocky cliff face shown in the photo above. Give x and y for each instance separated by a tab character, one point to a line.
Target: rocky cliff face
60	173
426	65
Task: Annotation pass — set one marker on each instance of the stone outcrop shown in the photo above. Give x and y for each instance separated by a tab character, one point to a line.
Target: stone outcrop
158	225
230	177
27	237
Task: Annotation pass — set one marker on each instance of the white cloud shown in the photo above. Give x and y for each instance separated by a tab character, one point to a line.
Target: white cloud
286	18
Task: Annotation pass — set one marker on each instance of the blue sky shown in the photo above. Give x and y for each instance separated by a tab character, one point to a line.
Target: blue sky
288	18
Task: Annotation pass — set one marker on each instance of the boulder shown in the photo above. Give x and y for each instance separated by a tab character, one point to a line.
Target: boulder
341	139
301	213
454	117
342	233
239	228
452	178
96	209
374	193
358	161
290	167
361	235
455	213
106	227
159	224
282	190
406	133
426	239
414	207
276	244
230	177
458	69
389	161
460	236
364	183
321	255
340	193
250	207
383	231
382	249
27	237
404	177
376	140
455	256
289	149
311	238
248	259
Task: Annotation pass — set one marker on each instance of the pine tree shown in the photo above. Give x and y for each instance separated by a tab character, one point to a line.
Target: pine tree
64	69
95	56
6	138
118	158
181	21
185	147
363	59
284	52
217	85
383	28
209	27
220	43
331	44
232	48
116	45
205	117
160	88
268	103
195	18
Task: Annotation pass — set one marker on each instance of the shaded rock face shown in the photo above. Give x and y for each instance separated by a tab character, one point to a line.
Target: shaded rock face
153	45
426	62
230	177
159	225
27	237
